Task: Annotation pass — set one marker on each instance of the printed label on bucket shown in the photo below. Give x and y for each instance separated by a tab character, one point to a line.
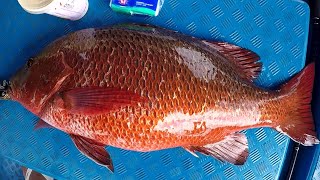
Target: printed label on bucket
69	9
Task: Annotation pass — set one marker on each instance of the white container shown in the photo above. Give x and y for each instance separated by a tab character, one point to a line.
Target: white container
68	9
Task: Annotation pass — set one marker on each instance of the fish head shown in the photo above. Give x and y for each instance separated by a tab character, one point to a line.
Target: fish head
38	80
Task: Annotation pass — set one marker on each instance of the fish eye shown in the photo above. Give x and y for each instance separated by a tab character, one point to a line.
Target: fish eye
30	62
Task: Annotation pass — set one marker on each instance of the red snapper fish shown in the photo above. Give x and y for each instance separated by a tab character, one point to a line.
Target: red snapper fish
145	88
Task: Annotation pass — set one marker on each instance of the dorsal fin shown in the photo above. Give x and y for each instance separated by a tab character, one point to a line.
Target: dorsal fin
246	62
138	27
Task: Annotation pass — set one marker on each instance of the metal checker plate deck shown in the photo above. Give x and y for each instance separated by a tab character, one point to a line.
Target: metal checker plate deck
277	30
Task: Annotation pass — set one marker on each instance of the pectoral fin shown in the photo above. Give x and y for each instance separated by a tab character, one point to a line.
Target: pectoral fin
96	100
93	150
233	149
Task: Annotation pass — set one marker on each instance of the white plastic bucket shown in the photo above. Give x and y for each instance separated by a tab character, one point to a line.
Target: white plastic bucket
68	9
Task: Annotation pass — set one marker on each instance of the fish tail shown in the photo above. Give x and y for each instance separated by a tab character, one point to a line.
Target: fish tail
299	124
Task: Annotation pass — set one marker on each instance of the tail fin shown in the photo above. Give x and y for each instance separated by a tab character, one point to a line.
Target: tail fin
299	125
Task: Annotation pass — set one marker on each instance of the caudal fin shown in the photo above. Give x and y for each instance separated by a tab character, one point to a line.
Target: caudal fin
299	125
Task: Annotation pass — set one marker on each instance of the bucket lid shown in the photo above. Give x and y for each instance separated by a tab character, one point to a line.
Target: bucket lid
34	4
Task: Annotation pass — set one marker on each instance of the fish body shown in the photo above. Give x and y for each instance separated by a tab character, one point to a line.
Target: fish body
145	88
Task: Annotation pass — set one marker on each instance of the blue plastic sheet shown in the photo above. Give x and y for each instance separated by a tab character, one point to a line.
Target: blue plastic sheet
277	30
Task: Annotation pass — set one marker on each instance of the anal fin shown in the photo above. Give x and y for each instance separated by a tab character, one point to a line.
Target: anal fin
93	150
233	149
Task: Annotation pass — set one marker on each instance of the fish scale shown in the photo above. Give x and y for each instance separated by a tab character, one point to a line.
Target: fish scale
145	88
145	85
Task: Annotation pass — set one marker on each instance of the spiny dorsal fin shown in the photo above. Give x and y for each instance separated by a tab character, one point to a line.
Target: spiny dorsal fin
233	149
245	60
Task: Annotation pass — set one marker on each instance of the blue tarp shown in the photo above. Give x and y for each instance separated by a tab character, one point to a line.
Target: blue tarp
277	30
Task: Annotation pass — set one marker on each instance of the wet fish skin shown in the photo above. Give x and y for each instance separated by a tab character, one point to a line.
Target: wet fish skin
145	88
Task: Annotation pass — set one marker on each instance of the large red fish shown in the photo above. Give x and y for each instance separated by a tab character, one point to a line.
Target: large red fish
144	88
